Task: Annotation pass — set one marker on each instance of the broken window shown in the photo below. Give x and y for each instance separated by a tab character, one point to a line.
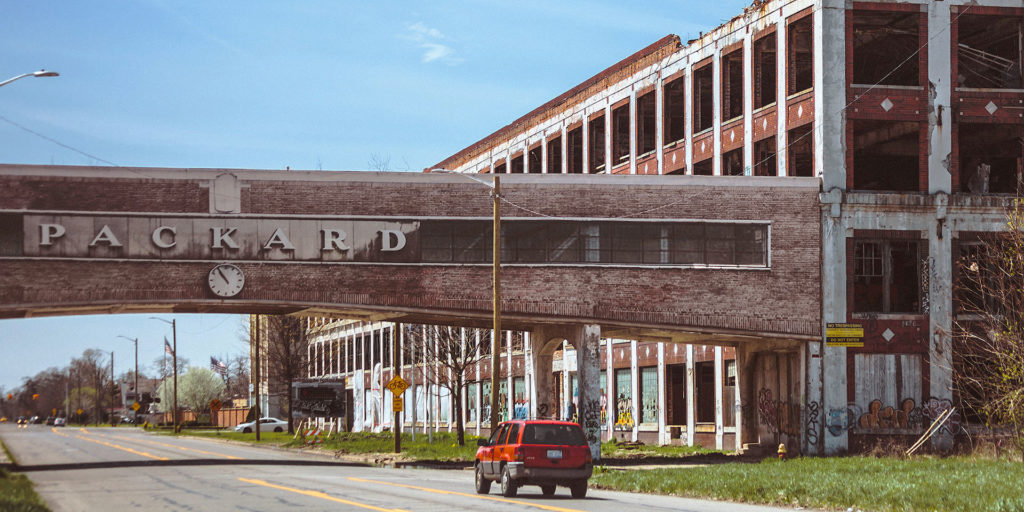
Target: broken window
765	70
732	85
764	158
800	55
732	163
990	51
645	124
574	157
703	101
801	151
886	155
674	115
555	156
499	168
885	46
703	168
620	135
517	164
536	156
596	129
991	157
679	171
885	276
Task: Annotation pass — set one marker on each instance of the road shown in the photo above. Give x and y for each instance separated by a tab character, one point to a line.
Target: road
125	468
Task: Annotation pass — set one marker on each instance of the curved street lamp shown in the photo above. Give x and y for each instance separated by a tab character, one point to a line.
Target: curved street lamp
41	72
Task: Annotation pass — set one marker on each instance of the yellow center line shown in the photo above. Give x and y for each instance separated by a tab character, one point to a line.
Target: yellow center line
158	443
467	495
112	445
318	494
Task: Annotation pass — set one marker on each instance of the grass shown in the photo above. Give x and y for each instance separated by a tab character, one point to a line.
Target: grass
618	450
860	483
267	438
443	448
17	494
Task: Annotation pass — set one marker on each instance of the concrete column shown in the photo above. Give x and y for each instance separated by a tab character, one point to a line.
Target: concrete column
634	387
716	95
940	126
659	122
543	152
564	138
748	106
830	94
608	138
719	400
737	405
540	405
588	368
663	437
566	384
528	374
746	420
509	382
632	132
585	130
940	319
479	387
609	392
782	154
691	396
688	115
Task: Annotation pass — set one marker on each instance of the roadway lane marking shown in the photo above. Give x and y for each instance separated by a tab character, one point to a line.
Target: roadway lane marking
112	445
158	443
318	494
467	495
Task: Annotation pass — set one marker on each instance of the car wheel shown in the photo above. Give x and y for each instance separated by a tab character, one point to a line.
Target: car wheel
508	487
483	485
579	489
548	490
278	429
247	430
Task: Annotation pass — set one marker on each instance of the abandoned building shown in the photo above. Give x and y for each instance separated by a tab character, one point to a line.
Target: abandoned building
911	116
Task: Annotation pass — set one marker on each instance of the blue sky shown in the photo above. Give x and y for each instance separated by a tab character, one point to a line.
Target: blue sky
268	85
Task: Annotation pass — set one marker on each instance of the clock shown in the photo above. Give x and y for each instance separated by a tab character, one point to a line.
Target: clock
226	280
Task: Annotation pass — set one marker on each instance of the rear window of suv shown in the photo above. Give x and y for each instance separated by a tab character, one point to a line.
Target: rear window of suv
570	435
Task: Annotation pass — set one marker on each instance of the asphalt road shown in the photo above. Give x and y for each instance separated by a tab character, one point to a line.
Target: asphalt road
106	469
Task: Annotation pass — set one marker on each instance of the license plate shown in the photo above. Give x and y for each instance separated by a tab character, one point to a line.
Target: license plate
554	454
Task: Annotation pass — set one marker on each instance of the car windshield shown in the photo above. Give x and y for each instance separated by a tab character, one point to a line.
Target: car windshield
553	434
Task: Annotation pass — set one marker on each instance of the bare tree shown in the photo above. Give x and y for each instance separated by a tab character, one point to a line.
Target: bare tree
285	354
988	368
456	351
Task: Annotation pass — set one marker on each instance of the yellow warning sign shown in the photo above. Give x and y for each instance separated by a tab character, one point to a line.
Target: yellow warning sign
396	404
397	385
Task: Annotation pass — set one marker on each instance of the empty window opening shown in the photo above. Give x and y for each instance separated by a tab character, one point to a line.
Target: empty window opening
991	158
703	168
517	165
732	85
765	70
885	276
554	156
574	157
990	51
620	135
800	151
500	168
800	55
679	171
645	124
674	115
596	131
536	156
886	155
765	163
703	100
732	163
884	48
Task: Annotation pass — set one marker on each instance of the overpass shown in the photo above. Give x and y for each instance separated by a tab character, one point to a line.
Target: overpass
687	259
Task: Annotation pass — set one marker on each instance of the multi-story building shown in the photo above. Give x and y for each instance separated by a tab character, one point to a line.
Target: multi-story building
910	113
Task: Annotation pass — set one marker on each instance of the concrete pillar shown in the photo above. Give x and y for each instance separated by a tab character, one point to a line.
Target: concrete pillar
540	401
691	396
659	122
509	382
633	143
748	106
528	374
609	392
608	138
782	153
479	387
737	405
688	115
634	390
566	384
746	419
663	437
940	127
716	96
588	368
719	399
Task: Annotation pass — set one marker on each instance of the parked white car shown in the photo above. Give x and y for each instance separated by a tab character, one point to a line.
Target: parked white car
266	425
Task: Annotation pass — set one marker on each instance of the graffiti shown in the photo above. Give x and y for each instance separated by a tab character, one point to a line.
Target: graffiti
542	410
624	420
811	428
591	421
926	266
935	407
840	420
767	414
779	416
881	416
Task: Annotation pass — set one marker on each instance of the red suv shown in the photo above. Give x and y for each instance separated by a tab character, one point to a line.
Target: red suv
534	452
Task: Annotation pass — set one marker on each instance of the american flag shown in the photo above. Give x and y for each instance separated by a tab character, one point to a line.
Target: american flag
218	367
167	347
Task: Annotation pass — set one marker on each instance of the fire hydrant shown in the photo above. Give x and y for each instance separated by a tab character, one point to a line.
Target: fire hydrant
782	451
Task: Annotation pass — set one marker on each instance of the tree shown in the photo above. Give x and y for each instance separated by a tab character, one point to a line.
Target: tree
198	387
988	369
285	354
238	376
455	350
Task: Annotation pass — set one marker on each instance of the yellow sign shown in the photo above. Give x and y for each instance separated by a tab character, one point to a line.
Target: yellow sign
136	406
396	404
844	335
215	405
79	411
397	385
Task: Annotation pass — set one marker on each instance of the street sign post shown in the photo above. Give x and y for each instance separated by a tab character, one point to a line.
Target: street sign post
397	385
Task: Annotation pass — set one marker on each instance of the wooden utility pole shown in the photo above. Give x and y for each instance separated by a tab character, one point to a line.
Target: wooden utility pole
496	335
256	373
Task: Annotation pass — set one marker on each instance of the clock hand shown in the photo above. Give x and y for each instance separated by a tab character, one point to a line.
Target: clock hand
222	276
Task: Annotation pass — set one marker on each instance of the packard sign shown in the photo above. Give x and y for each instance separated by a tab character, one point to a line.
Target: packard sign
220	238
318	399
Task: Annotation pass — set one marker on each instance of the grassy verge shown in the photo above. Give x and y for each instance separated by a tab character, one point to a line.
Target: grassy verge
864	483
616	450
444	447
17	494
266	438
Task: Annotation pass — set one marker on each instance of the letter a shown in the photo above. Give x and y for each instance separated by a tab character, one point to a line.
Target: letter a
105	236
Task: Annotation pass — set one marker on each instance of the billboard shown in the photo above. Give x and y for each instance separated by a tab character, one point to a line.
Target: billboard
318	399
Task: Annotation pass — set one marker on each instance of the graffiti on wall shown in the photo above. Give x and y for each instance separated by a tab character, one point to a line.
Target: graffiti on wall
879	415
781	417
840	420
624	420
592	421
935	407
811	428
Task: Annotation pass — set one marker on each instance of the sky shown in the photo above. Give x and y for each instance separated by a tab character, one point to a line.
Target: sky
310	85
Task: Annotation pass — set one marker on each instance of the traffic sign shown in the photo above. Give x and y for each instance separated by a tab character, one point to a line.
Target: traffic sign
79	411
397	385
215	405
136	406
396	404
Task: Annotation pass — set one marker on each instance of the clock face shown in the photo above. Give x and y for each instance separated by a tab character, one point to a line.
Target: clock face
226	280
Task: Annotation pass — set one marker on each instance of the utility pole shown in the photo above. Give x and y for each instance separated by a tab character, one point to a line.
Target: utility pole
496	335
113	385
135	414
256	373
174	360
394	371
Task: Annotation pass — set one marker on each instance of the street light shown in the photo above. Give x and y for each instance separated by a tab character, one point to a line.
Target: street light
496	278
174	363
41	72
135	415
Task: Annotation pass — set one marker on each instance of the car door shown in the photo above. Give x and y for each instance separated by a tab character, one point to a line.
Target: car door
493	456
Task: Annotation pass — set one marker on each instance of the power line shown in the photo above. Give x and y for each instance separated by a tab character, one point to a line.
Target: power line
57	142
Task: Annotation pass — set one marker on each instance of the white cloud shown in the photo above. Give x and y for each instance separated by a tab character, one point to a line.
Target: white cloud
428	39
436	51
